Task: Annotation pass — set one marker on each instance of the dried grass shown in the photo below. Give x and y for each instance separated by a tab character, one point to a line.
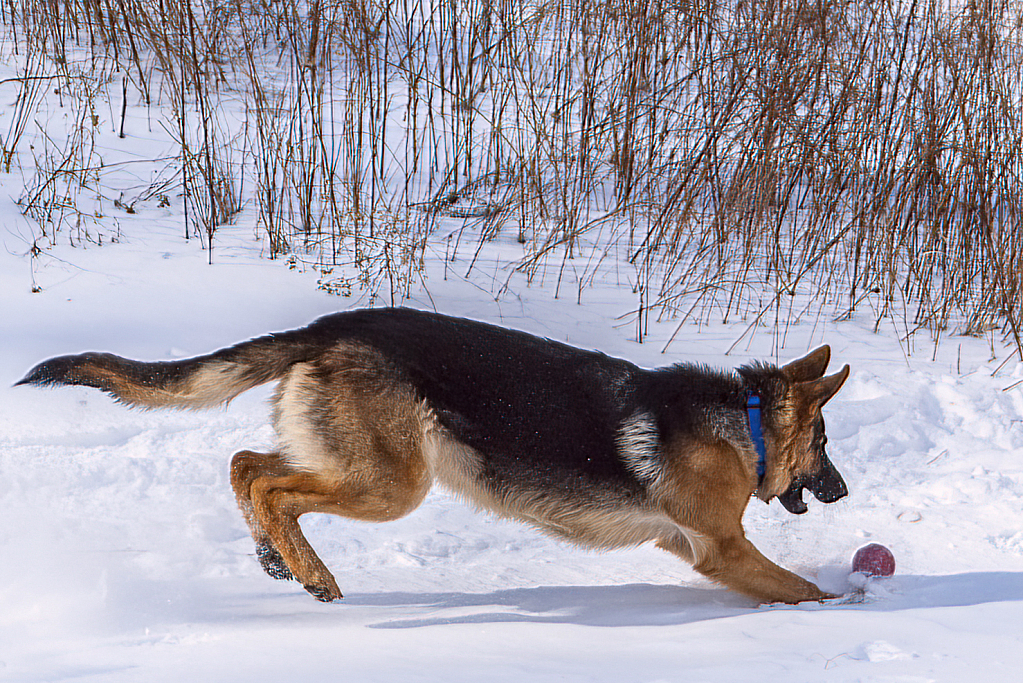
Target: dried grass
756	159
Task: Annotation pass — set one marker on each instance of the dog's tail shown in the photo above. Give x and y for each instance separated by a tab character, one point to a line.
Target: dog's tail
194	383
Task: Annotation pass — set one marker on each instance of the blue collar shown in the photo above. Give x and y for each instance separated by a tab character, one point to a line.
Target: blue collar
756	432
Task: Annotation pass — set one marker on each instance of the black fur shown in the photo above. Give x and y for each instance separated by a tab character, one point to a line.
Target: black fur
67	370
537	408
542	411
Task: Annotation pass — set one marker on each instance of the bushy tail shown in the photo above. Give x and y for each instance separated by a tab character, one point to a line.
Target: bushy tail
194	383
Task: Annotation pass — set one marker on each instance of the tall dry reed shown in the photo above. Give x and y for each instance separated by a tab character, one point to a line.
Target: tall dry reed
752	160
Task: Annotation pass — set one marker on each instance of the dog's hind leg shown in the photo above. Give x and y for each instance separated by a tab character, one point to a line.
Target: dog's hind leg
278	502
246	467
351	445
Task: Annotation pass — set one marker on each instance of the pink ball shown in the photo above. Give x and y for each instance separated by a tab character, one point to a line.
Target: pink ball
874	560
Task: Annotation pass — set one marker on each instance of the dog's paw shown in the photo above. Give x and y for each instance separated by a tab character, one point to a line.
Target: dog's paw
324	593
272	562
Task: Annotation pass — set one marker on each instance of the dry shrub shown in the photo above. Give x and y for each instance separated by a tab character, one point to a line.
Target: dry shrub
753	160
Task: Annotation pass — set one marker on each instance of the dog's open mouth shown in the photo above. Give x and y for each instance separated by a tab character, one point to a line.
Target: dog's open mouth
826	485
792	500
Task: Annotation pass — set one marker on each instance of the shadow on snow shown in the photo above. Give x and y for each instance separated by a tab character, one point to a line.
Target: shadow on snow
652	605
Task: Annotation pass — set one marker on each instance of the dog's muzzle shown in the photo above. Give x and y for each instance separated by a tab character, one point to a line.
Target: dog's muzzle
826	485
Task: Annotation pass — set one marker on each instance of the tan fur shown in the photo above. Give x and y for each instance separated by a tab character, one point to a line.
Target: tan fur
791	440
358	444
352	445
212	385
382	449
707	491
358	440
788	441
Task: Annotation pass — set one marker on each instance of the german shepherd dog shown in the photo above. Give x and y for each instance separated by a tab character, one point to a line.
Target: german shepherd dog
374	405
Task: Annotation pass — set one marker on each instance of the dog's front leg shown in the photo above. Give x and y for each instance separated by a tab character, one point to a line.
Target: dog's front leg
736	563
705	492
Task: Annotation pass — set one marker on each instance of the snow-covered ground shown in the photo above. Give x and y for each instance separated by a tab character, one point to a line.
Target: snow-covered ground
123	557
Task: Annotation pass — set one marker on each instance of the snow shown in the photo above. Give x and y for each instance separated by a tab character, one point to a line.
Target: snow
123	556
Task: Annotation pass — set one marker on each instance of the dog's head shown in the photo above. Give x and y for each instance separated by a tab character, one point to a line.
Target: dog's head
796	457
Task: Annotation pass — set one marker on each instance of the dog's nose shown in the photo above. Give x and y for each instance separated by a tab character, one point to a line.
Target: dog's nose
828	486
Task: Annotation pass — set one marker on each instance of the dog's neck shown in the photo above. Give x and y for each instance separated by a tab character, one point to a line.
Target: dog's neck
732	425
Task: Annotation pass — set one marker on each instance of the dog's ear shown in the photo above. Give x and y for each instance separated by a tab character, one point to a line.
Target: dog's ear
809	367
819	391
